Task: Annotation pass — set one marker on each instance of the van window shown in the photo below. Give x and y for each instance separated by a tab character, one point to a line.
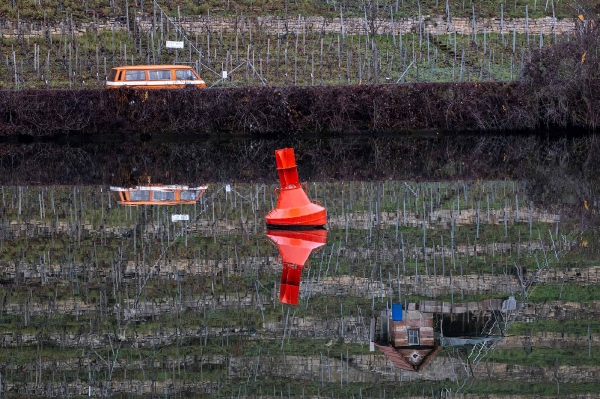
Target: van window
163	196
159	75
185	74
139	195
188	195
112	75
135	75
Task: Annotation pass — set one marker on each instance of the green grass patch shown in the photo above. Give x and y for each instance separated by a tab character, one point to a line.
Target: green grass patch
568	293
547	357
573	327
546	389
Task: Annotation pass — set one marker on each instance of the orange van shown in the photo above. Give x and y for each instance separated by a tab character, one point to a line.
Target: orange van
154	77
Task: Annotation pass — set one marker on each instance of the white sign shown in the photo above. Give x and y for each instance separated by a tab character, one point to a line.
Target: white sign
227	188
179	218
224	74
171	44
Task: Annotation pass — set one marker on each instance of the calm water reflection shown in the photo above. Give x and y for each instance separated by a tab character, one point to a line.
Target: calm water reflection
469	287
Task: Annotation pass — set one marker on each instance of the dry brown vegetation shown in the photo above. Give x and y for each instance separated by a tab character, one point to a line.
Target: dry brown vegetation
328	109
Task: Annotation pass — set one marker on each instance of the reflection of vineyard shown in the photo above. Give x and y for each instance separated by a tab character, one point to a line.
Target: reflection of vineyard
107	299
472	352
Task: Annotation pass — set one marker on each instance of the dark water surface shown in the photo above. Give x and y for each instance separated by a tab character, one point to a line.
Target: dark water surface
553	165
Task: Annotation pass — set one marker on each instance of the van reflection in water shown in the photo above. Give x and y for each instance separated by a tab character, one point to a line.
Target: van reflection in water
157	194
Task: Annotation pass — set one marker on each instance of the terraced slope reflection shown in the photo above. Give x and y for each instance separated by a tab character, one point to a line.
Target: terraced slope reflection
115	300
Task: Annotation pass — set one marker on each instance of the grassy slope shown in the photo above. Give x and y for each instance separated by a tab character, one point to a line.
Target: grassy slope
83	61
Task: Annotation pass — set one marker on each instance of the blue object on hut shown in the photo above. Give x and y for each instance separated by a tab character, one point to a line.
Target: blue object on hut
396	312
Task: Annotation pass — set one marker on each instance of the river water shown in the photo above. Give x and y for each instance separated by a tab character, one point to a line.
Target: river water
496	278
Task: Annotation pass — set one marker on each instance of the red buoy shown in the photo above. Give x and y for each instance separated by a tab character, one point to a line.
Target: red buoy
294	247
293	206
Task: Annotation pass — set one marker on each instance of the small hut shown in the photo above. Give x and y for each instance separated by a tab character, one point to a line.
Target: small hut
411	343
411	338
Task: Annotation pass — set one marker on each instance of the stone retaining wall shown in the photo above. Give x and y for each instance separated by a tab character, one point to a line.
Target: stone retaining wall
437	25
360	220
